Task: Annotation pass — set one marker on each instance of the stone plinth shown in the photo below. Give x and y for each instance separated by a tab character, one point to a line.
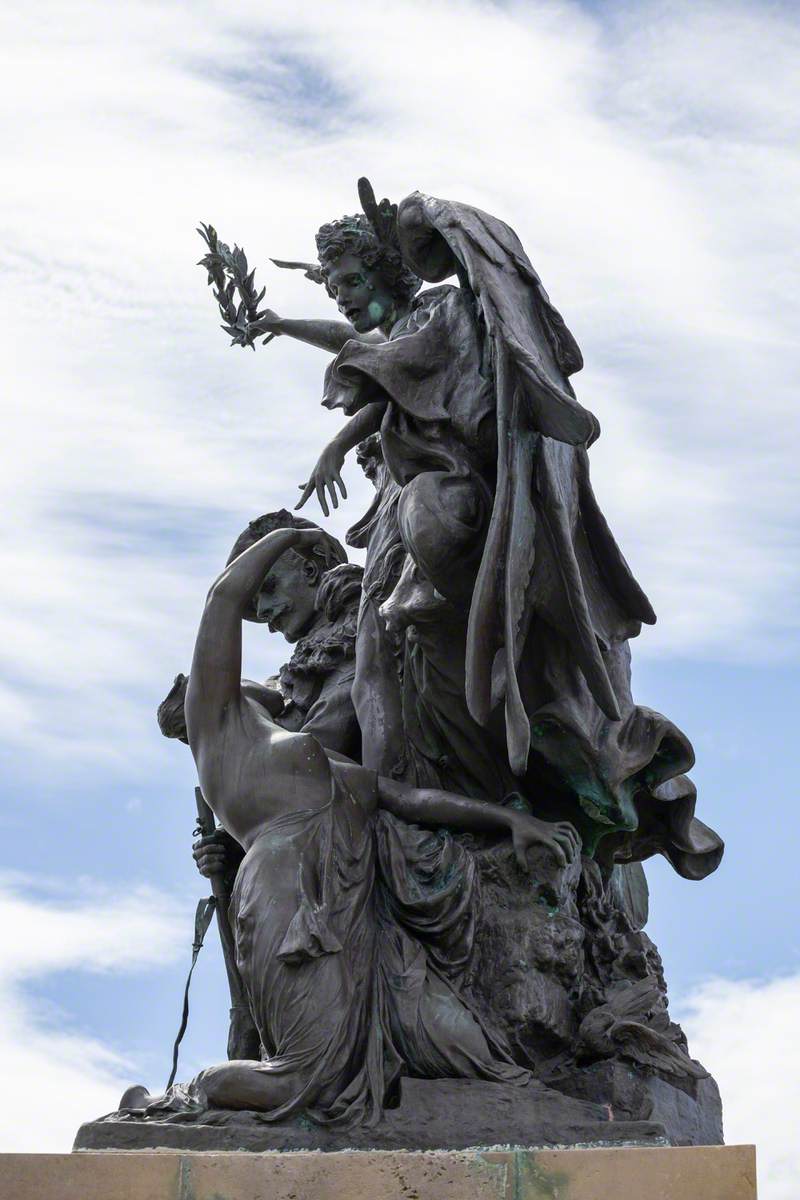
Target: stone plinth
625	1173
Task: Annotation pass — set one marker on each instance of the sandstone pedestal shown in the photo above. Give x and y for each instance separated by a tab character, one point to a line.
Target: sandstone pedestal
624	1173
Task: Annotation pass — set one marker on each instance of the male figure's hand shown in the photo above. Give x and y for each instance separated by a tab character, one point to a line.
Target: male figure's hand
217	854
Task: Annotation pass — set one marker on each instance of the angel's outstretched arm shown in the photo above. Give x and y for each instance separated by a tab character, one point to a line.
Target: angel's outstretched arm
428	806
328	335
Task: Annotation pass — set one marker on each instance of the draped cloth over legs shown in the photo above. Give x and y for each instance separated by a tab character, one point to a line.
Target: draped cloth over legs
353	930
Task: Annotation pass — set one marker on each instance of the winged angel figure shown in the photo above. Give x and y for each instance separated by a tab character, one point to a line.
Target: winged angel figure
517	602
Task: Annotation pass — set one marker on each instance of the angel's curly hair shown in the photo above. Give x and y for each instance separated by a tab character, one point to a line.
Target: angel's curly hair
356	235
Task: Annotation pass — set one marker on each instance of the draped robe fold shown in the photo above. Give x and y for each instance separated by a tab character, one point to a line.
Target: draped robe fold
483	428
353	934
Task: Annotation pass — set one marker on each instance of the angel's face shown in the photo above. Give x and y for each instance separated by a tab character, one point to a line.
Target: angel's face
361	292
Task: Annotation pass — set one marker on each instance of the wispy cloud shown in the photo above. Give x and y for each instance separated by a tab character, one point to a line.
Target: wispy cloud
657	199
49	1064
744	1032
645	153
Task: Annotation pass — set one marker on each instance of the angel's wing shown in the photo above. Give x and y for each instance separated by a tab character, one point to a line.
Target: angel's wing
531	353
311	271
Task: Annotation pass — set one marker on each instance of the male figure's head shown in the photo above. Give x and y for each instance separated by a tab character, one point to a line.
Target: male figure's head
287	598
369	281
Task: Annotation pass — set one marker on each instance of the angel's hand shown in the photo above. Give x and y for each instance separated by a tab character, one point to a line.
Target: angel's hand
267	322
326	474
559	837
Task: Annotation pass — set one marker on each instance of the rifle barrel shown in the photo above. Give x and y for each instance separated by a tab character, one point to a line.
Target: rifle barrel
207	825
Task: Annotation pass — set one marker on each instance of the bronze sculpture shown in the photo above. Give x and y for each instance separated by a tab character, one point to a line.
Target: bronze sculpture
490	691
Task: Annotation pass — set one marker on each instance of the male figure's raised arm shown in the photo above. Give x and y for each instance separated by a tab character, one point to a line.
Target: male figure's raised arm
215	676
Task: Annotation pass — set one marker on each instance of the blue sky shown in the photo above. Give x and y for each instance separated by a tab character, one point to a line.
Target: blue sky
646	155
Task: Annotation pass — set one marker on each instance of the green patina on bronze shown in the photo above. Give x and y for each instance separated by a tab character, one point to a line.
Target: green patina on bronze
603	812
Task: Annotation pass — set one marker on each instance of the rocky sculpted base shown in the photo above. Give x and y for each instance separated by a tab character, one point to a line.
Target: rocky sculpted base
452	1113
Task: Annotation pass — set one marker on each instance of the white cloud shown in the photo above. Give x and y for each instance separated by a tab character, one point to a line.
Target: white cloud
56	1077
745	1033
651	176
646	154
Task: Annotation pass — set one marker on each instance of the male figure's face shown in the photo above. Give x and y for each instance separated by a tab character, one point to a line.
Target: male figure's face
286	598
362	294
